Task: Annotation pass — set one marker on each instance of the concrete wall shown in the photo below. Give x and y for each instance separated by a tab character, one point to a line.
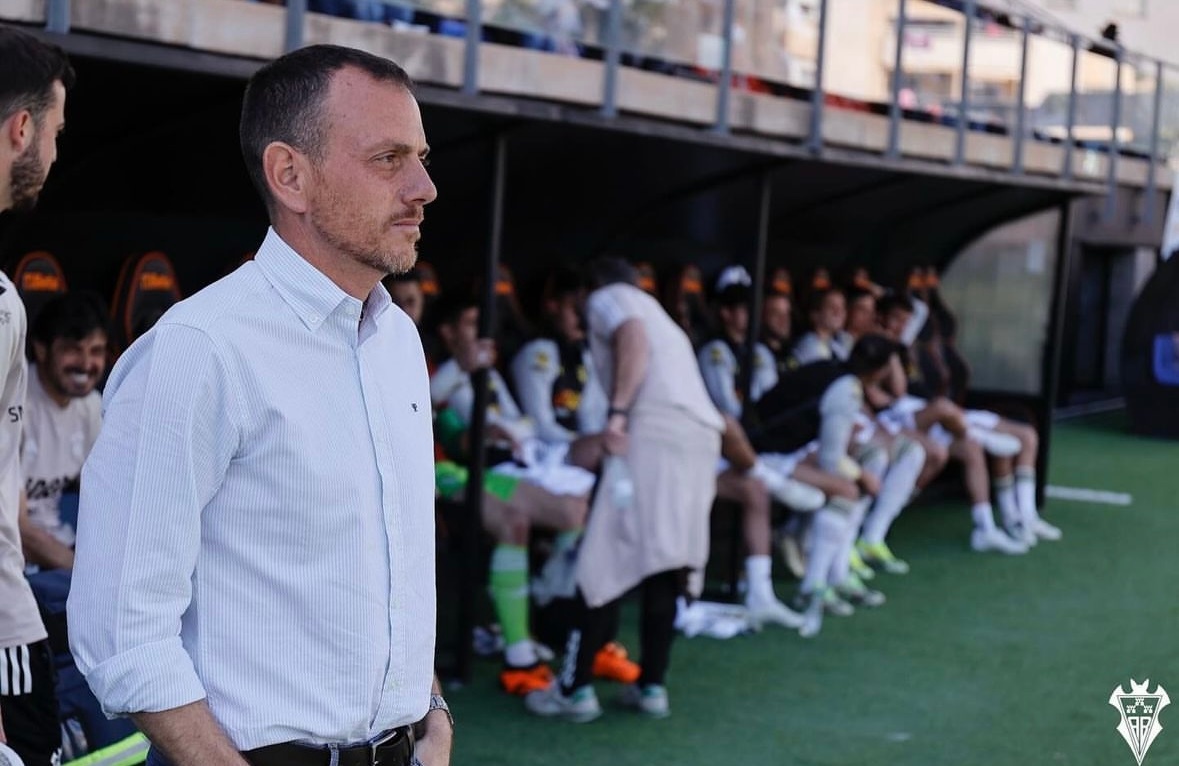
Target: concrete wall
1000	288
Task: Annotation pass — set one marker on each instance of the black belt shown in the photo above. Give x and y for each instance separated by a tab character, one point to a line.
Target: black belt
393	748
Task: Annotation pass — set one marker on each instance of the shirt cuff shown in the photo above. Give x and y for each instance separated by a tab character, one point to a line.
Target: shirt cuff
149	678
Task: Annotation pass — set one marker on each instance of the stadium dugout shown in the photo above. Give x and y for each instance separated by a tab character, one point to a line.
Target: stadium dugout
684	155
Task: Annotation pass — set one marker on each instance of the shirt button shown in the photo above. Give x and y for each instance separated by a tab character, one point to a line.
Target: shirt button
313	318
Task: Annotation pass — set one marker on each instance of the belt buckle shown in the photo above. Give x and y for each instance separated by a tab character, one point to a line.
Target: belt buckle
373	746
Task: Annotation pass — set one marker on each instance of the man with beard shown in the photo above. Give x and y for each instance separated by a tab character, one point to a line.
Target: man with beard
63	413
34	78
254	578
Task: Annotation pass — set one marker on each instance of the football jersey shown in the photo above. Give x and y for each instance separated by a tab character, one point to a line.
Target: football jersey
56	442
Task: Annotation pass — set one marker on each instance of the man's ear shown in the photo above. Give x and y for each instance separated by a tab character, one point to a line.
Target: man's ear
40	352
19	131
288	175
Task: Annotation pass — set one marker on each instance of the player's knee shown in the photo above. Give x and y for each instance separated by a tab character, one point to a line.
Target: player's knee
753	493
973	454
515	527
754	498
1029	438
573	512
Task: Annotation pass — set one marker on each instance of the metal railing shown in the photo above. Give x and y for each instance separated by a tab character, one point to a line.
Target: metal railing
688	39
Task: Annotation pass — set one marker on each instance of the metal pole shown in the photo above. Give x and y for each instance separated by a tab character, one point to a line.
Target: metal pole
1111	181
613	58
471	50
964	102
57	16
1020	108
296	15
894	110
765	187
815	142
1053	352
1160	73
726	75
473	532
1071	119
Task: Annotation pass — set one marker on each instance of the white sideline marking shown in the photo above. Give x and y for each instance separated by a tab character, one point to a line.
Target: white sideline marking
1089	495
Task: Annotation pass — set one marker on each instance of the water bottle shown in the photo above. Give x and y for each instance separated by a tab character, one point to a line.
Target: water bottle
619	482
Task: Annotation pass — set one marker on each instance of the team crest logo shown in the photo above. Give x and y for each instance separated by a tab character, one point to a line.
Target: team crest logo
1140	710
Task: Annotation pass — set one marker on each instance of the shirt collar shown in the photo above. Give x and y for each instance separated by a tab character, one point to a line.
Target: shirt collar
307	290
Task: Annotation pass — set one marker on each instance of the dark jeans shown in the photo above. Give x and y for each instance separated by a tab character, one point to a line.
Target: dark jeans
656	631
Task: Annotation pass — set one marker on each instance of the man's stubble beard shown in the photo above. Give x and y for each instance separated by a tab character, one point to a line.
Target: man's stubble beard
27	179
394	260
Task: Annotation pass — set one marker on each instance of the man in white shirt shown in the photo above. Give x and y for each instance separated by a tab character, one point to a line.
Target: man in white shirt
34	78
649	521
254	580
63	413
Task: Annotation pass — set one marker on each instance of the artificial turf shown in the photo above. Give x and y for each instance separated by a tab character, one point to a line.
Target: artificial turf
976	659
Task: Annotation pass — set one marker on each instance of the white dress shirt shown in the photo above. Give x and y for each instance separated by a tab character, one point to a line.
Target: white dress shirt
257	517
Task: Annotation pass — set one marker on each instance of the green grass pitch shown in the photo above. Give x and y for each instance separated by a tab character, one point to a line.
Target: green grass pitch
976	659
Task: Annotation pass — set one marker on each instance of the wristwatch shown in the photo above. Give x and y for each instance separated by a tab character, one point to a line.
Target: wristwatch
437	702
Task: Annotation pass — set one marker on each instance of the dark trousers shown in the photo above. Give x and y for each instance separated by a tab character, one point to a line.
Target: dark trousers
600	625
29	710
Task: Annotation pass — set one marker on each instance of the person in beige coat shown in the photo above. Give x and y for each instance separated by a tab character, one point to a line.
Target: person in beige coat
648	523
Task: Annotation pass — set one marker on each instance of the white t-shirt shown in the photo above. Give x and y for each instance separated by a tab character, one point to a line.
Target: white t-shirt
20	622
673	374
56	443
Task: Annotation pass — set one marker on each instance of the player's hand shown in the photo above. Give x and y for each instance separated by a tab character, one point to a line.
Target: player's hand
614	439
870	483
433	749
481	355
3	739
